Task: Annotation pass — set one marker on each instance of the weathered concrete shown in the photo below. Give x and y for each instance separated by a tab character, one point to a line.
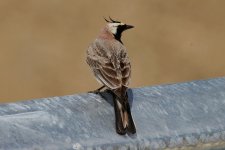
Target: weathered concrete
190	115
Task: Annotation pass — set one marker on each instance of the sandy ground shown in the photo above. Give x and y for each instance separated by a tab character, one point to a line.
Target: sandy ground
43	43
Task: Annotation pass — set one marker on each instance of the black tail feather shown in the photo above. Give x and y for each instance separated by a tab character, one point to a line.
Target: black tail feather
124	120
118	119
131	126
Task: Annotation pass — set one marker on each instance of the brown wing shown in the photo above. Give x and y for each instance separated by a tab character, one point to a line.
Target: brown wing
110	63
125	68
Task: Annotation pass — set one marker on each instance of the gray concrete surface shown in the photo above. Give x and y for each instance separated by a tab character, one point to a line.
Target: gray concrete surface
184	115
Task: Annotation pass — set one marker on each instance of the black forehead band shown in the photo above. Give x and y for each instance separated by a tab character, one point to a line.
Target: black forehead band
111	20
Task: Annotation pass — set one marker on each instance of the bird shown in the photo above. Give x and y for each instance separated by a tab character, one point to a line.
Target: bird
110	64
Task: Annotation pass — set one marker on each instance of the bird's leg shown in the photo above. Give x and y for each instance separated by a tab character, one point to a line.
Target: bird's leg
97	91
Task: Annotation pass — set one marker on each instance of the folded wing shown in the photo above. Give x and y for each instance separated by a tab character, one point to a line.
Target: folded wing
110	63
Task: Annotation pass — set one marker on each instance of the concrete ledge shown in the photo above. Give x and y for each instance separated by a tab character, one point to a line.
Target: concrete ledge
184	115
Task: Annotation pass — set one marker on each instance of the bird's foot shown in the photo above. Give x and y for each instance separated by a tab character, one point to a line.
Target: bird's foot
97	91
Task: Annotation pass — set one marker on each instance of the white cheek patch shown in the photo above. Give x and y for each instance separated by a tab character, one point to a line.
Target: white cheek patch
113	27
113	30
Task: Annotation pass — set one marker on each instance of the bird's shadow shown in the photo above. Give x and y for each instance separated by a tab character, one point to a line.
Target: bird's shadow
108	96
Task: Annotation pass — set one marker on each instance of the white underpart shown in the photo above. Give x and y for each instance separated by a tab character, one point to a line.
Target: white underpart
113	27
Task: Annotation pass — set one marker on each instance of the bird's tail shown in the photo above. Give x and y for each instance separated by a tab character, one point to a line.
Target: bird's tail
124	120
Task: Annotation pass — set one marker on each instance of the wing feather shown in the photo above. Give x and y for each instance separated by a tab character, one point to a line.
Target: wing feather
110	63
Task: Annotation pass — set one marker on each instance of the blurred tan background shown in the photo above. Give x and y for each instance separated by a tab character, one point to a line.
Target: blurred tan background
43	43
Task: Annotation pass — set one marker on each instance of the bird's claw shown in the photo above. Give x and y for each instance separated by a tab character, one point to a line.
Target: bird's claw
95	92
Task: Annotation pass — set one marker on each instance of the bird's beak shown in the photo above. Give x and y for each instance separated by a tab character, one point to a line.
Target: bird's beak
128	27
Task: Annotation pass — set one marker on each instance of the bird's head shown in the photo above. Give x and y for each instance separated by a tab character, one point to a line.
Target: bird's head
117	27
